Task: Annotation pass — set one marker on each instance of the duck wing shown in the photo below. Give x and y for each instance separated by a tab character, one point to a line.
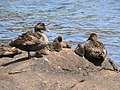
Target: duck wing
42	37
95	50
29	41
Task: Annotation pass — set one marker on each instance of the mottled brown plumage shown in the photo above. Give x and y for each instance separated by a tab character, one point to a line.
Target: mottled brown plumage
58	44
92	49
7	51
32	40
95	50
64	44
80	50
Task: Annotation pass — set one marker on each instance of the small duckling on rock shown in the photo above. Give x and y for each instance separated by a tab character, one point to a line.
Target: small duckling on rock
63	43
7	51
80	50
32	40
58	44
92	49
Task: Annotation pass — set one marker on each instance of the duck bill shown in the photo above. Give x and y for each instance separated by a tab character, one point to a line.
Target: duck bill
47	29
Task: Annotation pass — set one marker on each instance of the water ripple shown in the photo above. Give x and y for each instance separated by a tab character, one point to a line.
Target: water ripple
73	19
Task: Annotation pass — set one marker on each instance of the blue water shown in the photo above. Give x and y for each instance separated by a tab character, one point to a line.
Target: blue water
72	19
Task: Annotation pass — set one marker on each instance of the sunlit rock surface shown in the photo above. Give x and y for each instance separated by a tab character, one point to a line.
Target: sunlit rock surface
62	70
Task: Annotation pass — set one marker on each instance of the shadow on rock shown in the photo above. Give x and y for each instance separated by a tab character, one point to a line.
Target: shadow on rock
16	61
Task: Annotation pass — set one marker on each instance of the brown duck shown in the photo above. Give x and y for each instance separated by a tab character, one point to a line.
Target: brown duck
7	51
92	49
64	44
32	40
58	44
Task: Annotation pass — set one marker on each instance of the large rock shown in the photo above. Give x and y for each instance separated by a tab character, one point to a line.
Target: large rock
62	70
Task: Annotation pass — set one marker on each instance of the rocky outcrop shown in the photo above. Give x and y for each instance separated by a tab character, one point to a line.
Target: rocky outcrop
62	70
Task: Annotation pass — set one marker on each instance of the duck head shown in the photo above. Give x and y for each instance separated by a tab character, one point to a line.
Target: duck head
93	37
59	38
40	26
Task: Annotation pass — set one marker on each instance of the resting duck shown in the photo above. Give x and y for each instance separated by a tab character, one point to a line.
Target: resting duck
7	51
63	43
58	44
32	40
92	49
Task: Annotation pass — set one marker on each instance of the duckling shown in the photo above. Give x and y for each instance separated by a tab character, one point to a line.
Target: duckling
63	43
79	50
32	40
58	44
93	49
55	45
7	51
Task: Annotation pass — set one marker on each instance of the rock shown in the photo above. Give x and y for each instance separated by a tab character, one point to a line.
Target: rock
62	70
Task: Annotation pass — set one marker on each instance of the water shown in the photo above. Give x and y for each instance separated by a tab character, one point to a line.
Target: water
72	19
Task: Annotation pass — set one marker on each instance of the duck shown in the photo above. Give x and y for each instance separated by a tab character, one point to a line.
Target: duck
32	40
92	49
58	44
7	51
64	44
79	50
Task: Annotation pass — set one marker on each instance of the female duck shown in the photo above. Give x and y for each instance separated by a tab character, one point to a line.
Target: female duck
92	49
32	40
95	49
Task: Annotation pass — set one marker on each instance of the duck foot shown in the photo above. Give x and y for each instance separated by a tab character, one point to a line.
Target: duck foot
29	56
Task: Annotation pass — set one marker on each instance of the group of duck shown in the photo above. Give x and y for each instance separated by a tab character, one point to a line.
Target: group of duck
37	41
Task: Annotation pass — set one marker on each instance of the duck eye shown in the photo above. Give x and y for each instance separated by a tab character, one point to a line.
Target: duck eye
42	24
